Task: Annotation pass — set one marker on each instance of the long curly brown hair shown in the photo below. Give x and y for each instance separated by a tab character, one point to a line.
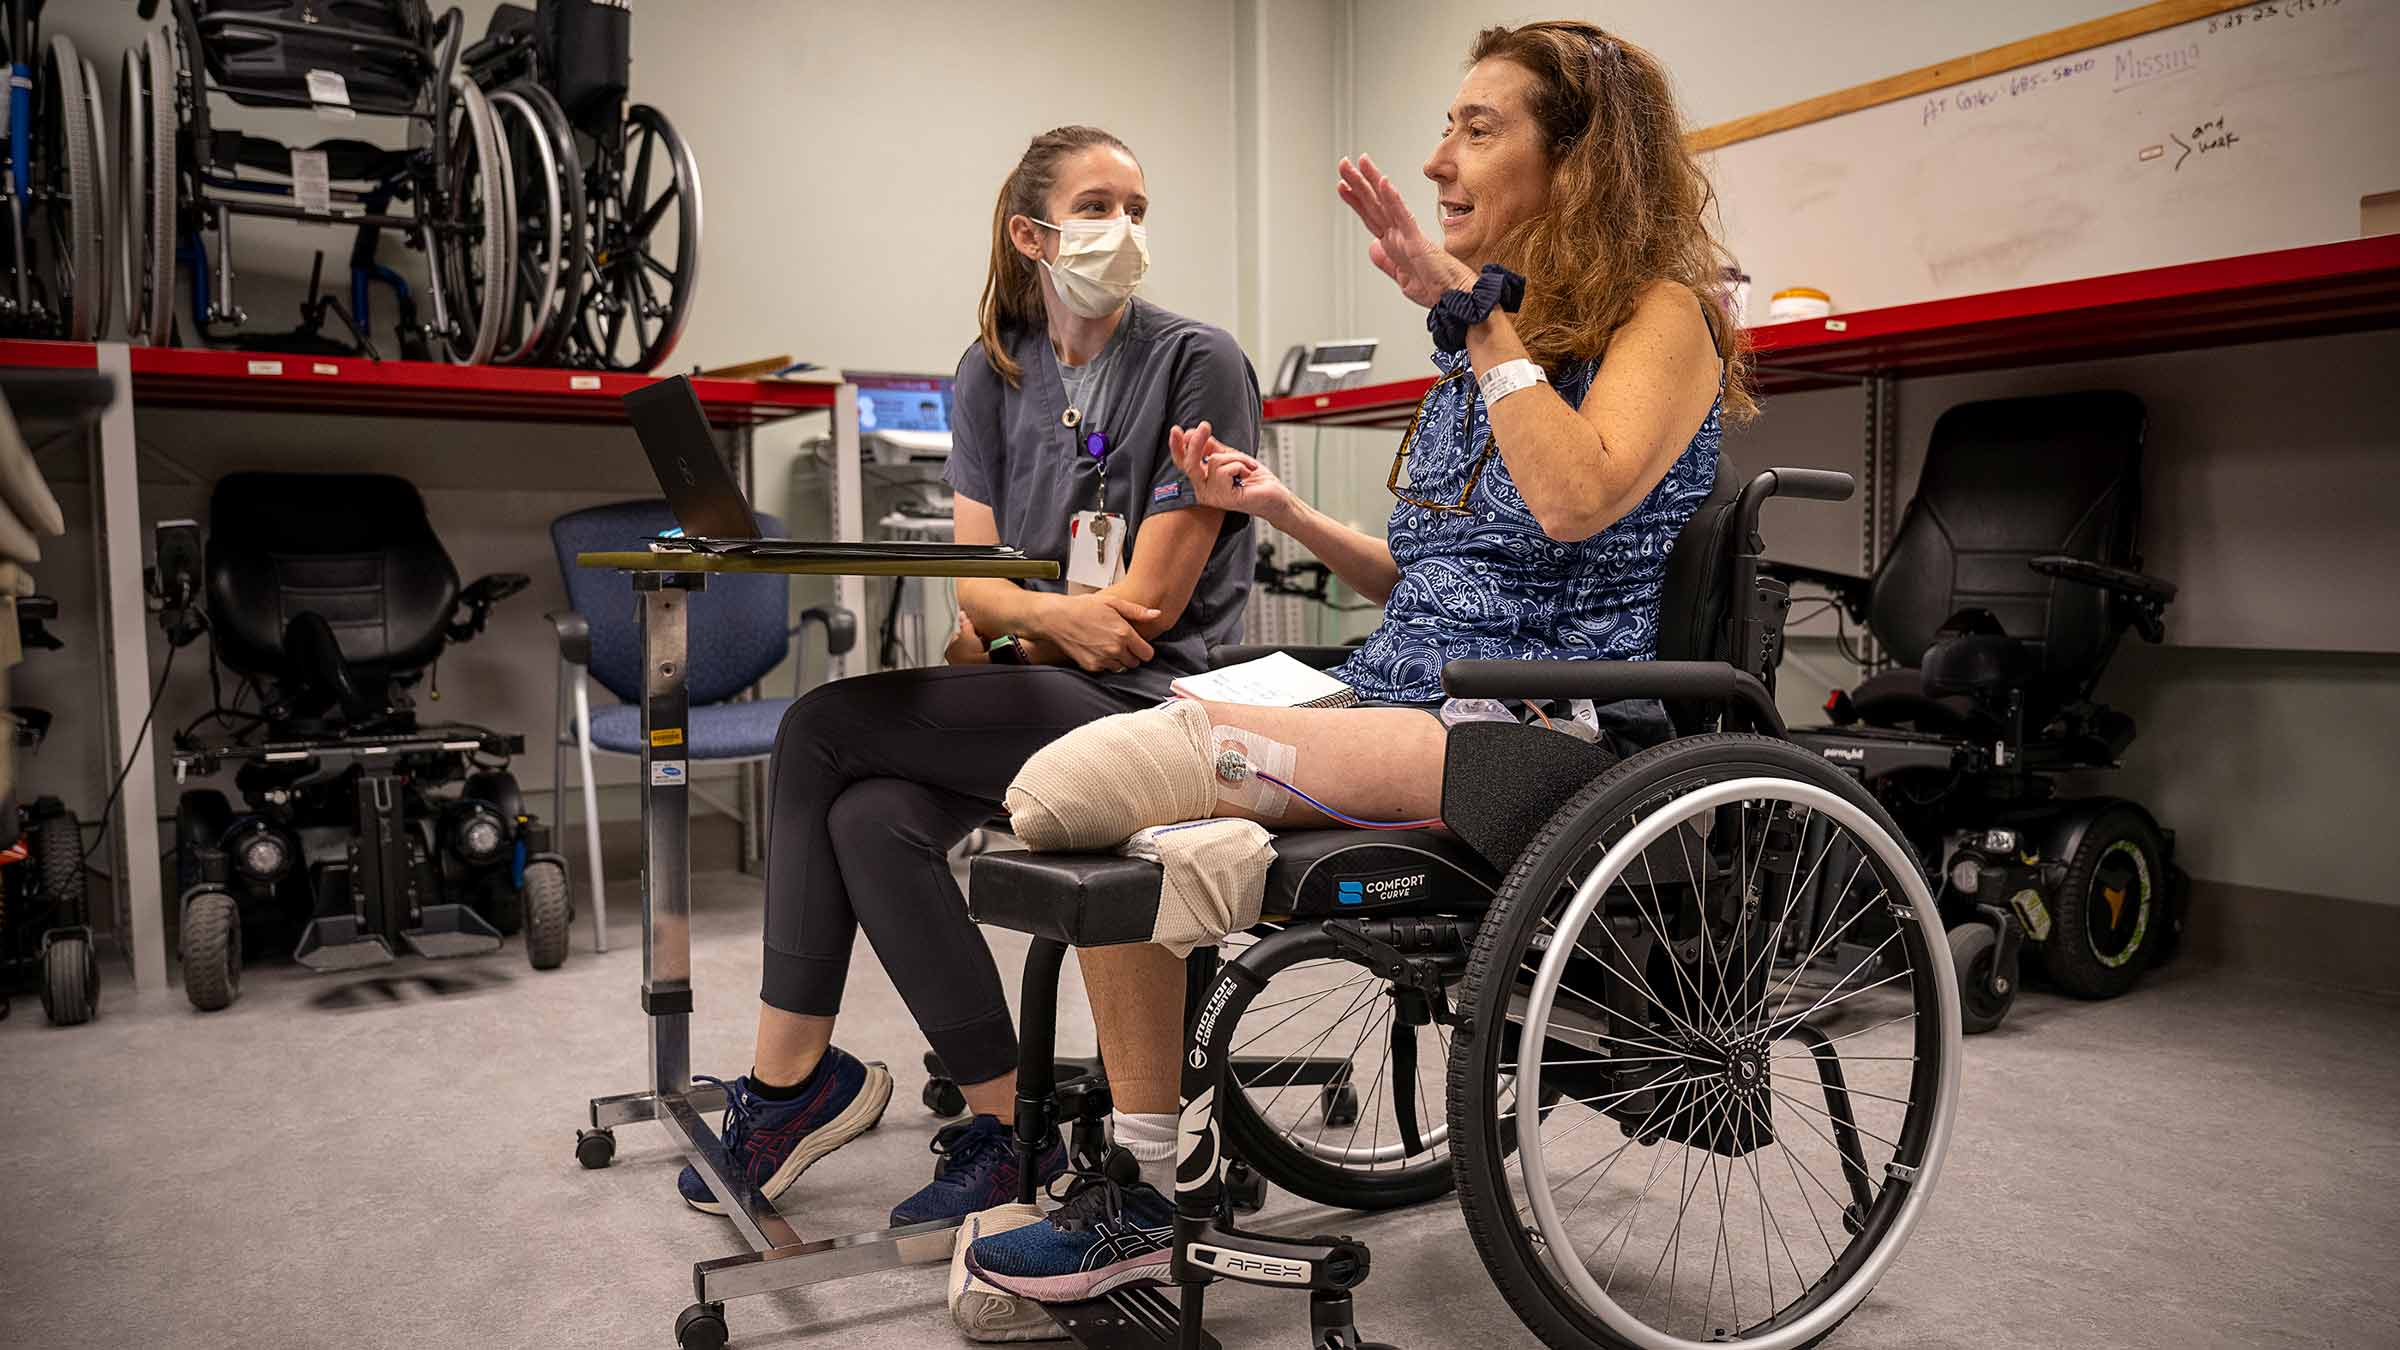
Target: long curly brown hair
1629	205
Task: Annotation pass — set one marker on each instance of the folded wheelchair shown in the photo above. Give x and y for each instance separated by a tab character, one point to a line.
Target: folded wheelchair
363	833
1595	1007
187	176
53	185
2014	574
624	247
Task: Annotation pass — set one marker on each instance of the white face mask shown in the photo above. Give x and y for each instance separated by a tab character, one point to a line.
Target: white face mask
1100	263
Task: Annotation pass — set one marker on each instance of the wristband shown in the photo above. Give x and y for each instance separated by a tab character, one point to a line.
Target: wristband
1508	377
1005	650
1457	311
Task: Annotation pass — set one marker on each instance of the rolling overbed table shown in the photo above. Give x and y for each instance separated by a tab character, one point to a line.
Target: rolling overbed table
778	1259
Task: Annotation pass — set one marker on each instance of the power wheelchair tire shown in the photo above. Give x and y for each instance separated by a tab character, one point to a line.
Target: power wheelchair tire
1601	845
547	916
58	847
2096	949
1293	1132
1973	948
146	180
70	980
212	950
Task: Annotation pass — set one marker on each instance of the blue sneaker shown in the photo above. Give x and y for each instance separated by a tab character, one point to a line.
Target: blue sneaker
772	1143
978	1169
1103	1237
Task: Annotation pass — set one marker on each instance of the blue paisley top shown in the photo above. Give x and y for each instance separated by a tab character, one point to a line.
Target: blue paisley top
1490	585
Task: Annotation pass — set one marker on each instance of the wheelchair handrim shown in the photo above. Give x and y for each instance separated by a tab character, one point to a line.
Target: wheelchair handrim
1544	993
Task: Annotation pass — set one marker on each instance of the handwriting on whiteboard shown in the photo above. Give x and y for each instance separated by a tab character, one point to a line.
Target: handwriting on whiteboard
2018	84
2258	14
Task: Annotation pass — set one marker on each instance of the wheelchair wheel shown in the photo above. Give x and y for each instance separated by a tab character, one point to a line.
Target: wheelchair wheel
1341	1096
644	247
1648	951
70	980
1974	948
541	228
547	916
146	184
72	240
568	258
2107	917
212	949
470	233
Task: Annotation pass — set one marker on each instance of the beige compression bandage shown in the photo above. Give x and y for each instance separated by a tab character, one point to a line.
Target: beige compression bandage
1096	785
1213	879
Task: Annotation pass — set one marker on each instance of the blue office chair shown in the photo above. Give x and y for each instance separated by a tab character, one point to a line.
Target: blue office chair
740	627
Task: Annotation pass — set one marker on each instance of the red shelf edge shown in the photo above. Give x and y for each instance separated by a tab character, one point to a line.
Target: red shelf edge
188	377
1948	326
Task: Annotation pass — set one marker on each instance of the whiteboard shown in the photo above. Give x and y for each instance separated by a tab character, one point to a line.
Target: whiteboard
2259	128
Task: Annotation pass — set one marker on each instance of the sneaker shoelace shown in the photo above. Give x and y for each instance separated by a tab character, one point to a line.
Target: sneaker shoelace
1092	1201
741	1111
960	1145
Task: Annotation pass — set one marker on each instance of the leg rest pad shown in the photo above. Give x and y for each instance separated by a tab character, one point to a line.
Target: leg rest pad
1081	899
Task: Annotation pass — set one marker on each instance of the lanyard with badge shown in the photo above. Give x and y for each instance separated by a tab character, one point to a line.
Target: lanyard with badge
1095	538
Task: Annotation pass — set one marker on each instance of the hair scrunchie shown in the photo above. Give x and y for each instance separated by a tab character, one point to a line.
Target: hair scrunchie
1457	311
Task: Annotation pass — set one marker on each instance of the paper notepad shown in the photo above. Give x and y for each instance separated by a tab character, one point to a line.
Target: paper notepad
1275	680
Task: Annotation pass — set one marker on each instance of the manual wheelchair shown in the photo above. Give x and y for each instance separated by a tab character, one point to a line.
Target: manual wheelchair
331	598
53	185
186	176
2012	577
627	257
1594	1006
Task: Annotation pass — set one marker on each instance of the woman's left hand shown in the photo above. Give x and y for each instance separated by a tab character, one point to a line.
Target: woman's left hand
966	645
1399	247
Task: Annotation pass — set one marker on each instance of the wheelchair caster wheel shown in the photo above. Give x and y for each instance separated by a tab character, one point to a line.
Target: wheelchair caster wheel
1984	995
701	1327
1339	1102
1245	1189
595	1148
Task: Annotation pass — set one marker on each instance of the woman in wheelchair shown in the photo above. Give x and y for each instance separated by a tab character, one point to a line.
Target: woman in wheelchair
1060	449
1587	366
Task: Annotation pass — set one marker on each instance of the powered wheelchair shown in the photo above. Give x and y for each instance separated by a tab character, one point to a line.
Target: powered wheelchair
2013	575
1595	1007
186	175
362	833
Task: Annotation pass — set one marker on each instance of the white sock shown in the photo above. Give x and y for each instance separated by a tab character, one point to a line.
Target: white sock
1151	1140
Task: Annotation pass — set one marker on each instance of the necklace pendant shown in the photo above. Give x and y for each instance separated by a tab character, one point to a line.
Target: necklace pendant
1071	418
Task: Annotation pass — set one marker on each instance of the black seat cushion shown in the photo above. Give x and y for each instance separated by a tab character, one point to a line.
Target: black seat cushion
1897	698
2006	481
354	548
1102	899
1977	665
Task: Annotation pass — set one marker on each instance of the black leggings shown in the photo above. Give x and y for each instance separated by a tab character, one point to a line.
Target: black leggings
874	779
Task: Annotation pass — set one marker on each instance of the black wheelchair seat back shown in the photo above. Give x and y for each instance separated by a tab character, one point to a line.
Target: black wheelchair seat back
1696	595
262	51
355	550
2007	481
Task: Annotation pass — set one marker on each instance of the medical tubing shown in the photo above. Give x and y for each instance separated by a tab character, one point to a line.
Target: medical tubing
1349	820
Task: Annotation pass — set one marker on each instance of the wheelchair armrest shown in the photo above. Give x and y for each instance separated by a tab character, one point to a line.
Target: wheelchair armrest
1849	591
841	627
574	636
1610	681
1321	658
2147	596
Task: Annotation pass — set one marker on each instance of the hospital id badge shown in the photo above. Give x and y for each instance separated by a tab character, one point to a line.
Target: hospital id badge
1095	550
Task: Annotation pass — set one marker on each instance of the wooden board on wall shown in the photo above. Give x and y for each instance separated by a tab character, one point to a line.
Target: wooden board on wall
2253	128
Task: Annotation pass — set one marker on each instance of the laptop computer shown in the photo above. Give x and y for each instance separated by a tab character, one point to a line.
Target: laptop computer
709	506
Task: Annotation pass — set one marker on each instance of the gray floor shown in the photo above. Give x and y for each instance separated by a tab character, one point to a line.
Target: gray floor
386	1161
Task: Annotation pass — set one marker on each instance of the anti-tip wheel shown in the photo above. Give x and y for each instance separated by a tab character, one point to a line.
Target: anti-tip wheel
1245	1189
595	1148
701	1327
1984	994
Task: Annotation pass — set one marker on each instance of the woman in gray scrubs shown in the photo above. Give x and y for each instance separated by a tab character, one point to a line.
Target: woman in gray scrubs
1063	405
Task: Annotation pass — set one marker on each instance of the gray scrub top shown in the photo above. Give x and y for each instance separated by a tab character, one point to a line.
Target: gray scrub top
1010	452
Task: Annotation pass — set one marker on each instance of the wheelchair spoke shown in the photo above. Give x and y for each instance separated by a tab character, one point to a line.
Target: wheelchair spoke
1790	1100
1830	936
1367	1031
1775	1028
1357	1002
1311	999
1847	1090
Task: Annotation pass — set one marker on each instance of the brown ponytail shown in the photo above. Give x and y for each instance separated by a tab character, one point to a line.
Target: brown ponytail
1012	290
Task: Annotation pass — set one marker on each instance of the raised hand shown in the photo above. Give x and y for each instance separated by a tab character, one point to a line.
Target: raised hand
1226	478
1398	246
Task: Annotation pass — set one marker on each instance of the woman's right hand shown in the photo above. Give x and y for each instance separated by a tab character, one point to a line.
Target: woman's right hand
1229	479
1096	630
